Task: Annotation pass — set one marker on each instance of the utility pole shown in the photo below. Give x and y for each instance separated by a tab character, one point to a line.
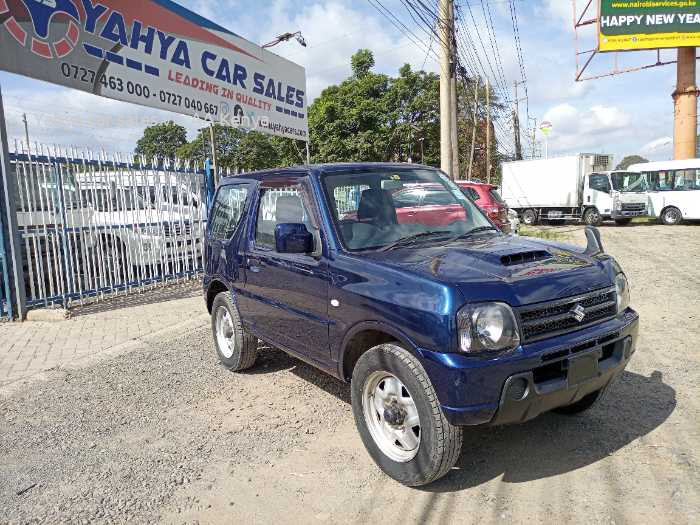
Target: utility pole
454	131
685	100
213	151
477	81
488	132
516	126
445	23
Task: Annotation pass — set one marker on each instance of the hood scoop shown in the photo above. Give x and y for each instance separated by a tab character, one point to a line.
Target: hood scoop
515	259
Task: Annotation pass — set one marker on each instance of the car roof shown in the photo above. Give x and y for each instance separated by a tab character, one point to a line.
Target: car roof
322	168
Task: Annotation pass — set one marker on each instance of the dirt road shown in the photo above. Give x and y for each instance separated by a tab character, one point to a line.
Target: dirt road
165	434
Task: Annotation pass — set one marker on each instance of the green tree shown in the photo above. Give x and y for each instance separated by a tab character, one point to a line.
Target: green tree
161	141
362	63
629	161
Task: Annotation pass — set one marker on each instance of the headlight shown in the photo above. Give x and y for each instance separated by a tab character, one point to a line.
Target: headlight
489	327
623	292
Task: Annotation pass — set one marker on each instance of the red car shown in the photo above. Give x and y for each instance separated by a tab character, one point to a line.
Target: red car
487	198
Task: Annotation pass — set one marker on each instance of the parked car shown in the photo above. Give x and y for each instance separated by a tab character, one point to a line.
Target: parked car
488	199
436	327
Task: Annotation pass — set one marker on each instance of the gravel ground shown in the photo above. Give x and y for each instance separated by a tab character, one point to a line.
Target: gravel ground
164	434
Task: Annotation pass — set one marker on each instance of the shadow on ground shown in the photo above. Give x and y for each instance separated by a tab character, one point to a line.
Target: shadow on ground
141	298
547	446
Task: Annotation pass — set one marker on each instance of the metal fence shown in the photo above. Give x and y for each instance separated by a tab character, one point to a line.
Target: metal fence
5	298
93	226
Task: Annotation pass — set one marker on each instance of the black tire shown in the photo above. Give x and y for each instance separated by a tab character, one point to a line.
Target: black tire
671	216
591	217
115	259
623	222
580	406
245	347
529	217
440	442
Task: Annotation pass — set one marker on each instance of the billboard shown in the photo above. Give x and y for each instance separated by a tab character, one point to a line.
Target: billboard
629	25
157	54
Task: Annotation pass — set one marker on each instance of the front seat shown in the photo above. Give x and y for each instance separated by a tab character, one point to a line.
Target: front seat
377	207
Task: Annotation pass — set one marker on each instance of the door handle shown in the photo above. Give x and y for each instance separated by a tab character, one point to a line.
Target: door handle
222	254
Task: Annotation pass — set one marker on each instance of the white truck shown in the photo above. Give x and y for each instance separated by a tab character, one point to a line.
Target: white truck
579	187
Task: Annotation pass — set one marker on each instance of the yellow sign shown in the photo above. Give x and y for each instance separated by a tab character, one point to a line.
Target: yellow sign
629	25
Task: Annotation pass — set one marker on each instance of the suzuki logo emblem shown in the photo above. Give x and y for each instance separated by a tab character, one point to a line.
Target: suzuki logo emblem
578	312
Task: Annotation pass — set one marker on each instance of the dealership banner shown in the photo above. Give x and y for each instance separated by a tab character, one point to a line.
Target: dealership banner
628	25
157	54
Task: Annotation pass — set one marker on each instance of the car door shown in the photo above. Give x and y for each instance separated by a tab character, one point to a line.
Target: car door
223	260
286	295
599	193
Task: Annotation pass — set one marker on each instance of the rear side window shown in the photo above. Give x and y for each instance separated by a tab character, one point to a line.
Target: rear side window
438	198
471	193
228	211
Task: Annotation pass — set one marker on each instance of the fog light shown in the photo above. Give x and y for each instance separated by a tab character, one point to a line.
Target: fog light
517	390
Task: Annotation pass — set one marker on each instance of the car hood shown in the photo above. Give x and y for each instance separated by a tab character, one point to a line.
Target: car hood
510	268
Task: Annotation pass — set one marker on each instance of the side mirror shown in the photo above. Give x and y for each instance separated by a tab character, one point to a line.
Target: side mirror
293	238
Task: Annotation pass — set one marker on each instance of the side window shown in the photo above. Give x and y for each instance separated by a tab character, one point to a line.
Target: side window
599	183
472	194
228	211
665	181
279	206
438	198
686	180
407	199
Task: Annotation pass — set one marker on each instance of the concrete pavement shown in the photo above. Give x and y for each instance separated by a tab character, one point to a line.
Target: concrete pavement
97	331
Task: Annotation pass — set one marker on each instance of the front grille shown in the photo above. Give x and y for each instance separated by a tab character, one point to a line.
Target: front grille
557	317
639	206
175	229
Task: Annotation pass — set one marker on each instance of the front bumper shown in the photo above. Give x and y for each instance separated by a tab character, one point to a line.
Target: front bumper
556	372
628	214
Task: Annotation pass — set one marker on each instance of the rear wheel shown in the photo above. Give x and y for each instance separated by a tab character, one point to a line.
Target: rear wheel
237	350
623	222
591	217
400	419
529	217
671	216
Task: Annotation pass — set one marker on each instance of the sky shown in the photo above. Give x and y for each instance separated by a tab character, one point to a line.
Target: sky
621	115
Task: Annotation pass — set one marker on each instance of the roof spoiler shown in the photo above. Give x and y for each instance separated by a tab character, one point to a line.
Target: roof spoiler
595	245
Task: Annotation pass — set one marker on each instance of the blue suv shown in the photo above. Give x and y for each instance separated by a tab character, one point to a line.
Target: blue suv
437	319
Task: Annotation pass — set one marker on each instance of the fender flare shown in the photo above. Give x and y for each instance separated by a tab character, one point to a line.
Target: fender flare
379	326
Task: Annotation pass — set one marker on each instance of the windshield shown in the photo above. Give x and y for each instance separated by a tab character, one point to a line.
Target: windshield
103	199
375	209
629	182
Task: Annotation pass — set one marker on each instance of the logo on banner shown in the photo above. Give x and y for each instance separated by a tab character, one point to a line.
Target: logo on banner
40	12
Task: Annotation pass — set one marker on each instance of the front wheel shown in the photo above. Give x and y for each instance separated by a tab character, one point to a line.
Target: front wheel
591	217
671	216
529	217
400	419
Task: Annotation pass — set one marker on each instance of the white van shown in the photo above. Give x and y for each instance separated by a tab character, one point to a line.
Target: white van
674	189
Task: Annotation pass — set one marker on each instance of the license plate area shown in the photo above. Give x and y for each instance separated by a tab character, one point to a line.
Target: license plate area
582	369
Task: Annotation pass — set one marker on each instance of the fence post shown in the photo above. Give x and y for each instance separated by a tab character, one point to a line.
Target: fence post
66	255
209	183
8	222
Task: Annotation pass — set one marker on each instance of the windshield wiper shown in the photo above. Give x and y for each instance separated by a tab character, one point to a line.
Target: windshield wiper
412	238
472	232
